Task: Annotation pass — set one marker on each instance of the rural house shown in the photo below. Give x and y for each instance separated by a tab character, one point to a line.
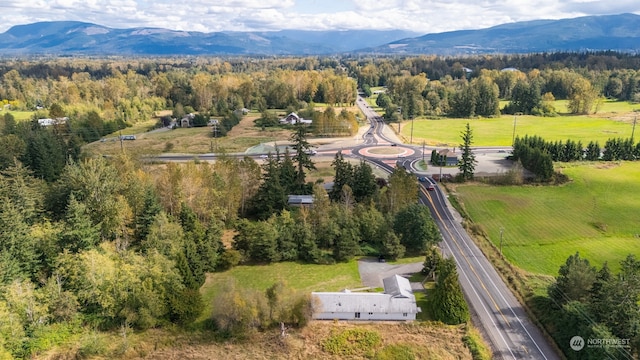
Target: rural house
293	119
396	303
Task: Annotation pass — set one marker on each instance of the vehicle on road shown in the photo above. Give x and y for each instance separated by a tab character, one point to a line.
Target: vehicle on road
422	179
431	187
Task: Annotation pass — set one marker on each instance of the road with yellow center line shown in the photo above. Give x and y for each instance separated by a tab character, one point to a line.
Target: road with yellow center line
498	312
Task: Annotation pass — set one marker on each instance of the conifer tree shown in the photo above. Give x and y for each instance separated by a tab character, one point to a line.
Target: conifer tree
467	162
449	305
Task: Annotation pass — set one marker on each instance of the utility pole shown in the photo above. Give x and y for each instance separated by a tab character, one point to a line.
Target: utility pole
634	128
411	140
423	151
121	144
501	231
215	135
513	138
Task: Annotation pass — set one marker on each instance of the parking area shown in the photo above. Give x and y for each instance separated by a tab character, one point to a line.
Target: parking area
373	271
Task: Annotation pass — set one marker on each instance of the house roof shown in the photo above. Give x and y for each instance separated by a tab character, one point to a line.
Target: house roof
397	286
397	298
300	199
352	302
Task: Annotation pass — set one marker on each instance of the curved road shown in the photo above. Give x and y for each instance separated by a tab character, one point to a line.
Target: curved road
499	313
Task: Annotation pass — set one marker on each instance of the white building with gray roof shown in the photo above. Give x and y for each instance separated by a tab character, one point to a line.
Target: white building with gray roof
396	303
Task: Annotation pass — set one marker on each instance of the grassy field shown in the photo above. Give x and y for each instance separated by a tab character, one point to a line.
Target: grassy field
304	277
190	140
596	214
19	115
613	119
397	341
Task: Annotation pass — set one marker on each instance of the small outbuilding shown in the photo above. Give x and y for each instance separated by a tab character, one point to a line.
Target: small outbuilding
397	303
450	157
300	200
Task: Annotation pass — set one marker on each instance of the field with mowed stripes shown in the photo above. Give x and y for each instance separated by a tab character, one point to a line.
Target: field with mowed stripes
596	214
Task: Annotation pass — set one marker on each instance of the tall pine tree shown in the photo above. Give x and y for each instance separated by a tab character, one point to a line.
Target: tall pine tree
467	162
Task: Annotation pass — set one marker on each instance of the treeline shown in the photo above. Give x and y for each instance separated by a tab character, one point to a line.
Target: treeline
44	151
538	155
472	86
376	71
595	304
325	123
131	91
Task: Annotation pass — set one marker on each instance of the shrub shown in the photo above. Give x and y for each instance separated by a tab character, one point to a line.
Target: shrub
395	352
91	345
186	306
46	337
352	342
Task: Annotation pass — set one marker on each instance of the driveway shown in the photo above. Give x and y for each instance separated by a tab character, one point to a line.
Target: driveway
372	272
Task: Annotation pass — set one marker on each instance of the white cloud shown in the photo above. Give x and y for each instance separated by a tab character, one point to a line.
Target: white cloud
424	16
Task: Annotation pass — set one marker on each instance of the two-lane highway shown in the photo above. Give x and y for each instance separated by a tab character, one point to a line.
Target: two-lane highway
503	318
497	311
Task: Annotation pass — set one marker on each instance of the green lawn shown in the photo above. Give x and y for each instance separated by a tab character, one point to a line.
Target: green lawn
19	115
614	119
304	277
596	214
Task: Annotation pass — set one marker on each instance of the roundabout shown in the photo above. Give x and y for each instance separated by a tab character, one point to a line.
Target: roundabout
385	151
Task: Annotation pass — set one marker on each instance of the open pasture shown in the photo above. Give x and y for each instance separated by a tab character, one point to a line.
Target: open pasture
613	119
596	214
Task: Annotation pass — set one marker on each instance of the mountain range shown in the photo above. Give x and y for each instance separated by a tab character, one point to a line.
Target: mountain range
591	33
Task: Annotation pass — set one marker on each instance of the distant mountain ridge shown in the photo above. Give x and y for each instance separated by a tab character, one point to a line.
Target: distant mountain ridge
590	33
72	37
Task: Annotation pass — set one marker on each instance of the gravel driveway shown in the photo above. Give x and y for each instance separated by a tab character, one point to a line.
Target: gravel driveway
372	271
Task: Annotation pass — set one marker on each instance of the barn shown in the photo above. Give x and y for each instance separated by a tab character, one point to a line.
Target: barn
397	303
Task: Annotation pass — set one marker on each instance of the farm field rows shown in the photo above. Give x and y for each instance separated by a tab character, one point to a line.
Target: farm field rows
595	214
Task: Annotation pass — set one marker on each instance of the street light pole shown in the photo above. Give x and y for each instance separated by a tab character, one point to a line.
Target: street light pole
423	151
501	231
634	128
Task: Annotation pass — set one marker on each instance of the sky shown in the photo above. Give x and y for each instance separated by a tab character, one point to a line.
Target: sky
420	16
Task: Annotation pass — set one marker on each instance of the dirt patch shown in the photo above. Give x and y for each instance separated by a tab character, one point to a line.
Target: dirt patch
606	165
